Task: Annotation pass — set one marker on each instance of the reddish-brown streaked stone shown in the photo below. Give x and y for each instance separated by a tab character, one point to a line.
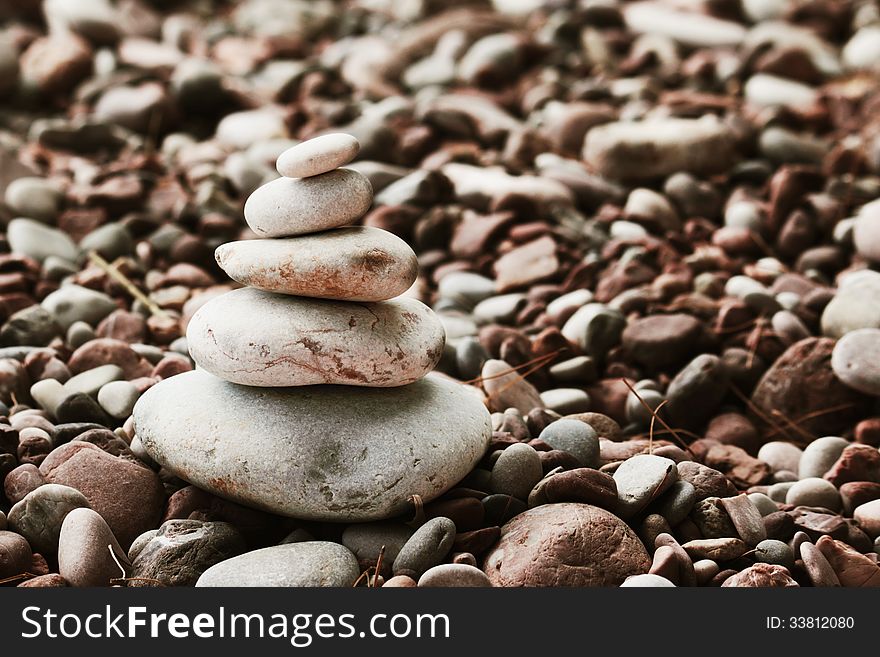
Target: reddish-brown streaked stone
852	568
761	575
530	263
856	463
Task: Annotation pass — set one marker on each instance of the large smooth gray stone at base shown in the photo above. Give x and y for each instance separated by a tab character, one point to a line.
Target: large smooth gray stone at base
334	453
311	563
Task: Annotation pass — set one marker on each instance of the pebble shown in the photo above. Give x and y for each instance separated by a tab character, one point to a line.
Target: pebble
780	455
775	552
595	328
92	380
38	517
257	338
642	479
366	540
454	575
855	360
466	288
83	555
717	549
868	517
426	548
646	580
15	554
305	564
180	551
818	569
439	433
707	481
129	496
851	567
38	241
118	398
847	310
660	341
676	503
566	400
696	390
575	437
763	503
505	388
820	455
34	198
516	471
565	545
746	518
802	378
295	206
862	51
72	303
356	264
761	576
318	155
643	150
580	370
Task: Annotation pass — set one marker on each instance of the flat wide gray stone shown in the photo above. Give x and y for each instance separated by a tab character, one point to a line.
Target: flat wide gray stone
317	452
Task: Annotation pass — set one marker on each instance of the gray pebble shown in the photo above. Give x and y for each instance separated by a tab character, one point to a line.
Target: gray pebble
705	570
32	326
820	455
677	502
71	303
773	551
516	471
580	370
641	479
646	580
466	288
118	398
140	543
595	328
501	309
780	455
454	575
365	540
111	241
566	401
38	241
91	381
312	563
34	198
763	503
38	517
814	491
470	356
181	550
427	547
79	333
575	437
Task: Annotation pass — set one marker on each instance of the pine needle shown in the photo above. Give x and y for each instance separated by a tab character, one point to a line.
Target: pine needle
124	281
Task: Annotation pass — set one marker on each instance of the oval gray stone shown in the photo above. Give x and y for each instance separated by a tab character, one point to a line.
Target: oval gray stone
575	437
296	206
337	453
641	479
310	563
39	516
454	575
425	548
257	338
856	360
31	238
356	263
318	155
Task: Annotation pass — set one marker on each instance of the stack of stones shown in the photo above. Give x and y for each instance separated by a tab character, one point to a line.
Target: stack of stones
313	398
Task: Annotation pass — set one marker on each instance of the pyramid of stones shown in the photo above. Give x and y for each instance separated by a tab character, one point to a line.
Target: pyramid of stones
312	397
